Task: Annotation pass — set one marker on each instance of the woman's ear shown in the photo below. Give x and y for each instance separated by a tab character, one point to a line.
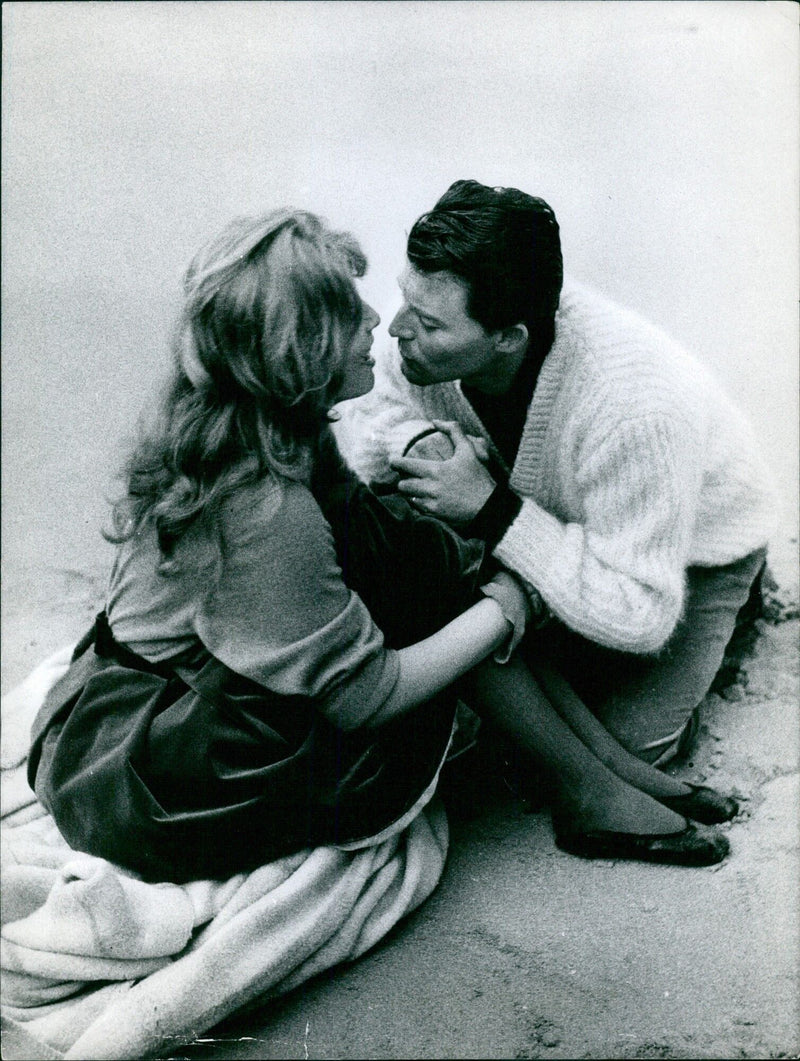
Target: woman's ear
512	340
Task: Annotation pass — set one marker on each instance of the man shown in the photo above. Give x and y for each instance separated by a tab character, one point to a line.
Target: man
603	465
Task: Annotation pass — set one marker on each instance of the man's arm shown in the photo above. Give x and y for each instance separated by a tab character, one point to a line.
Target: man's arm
454	488
617	576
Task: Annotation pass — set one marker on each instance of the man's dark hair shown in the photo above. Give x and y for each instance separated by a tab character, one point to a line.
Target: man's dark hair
505	244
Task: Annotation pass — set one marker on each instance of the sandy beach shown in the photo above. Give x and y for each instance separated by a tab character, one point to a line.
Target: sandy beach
524	951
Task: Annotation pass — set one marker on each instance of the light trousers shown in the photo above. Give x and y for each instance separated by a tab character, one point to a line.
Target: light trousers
651	703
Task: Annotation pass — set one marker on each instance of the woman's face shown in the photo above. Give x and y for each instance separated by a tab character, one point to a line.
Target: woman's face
357	374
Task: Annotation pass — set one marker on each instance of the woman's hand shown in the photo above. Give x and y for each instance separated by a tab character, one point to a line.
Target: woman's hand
515	604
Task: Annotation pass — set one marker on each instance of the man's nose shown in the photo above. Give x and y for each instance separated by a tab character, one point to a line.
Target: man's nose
400	328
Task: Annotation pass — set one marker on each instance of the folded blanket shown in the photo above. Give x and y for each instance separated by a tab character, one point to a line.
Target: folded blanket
99	964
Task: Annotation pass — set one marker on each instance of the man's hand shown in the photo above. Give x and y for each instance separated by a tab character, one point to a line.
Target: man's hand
455	489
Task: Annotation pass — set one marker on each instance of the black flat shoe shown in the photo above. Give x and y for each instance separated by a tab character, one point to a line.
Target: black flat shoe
692	846
703	804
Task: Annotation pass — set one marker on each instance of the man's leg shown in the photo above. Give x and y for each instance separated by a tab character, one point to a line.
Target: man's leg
648	702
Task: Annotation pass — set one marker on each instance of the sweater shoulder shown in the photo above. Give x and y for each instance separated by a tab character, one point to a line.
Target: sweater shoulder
606	332
626	361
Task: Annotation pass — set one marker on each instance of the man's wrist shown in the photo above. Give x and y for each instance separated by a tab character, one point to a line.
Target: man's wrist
495	516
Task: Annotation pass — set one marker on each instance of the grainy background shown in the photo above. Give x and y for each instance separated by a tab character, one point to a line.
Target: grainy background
663	134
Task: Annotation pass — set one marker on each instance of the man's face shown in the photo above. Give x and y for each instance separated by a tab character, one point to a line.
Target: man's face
438	340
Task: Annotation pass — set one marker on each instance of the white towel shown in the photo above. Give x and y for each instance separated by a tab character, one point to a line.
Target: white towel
99	964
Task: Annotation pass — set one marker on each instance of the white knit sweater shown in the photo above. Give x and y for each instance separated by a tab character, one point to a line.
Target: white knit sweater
633	465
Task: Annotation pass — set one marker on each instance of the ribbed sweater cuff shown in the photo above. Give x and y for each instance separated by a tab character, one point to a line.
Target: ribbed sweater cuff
531	542
498	513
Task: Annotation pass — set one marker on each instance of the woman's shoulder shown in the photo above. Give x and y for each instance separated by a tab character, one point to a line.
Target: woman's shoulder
259	500
278	566
270	511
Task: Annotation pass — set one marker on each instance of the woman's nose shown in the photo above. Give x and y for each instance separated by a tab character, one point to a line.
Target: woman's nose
370	317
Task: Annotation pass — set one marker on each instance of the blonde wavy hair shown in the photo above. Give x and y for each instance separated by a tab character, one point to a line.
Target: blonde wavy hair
270	311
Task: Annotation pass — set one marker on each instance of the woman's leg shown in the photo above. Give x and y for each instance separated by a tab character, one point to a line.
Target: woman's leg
588	728
588	794
595	813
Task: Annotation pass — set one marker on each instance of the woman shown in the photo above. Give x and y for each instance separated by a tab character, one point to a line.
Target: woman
274	665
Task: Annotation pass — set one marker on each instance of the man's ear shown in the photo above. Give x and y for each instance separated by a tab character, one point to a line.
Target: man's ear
511	340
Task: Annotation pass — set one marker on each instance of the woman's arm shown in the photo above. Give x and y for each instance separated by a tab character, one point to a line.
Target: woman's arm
431	665
281	615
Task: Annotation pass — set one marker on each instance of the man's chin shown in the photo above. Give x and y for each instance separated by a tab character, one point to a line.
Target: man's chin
413	374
